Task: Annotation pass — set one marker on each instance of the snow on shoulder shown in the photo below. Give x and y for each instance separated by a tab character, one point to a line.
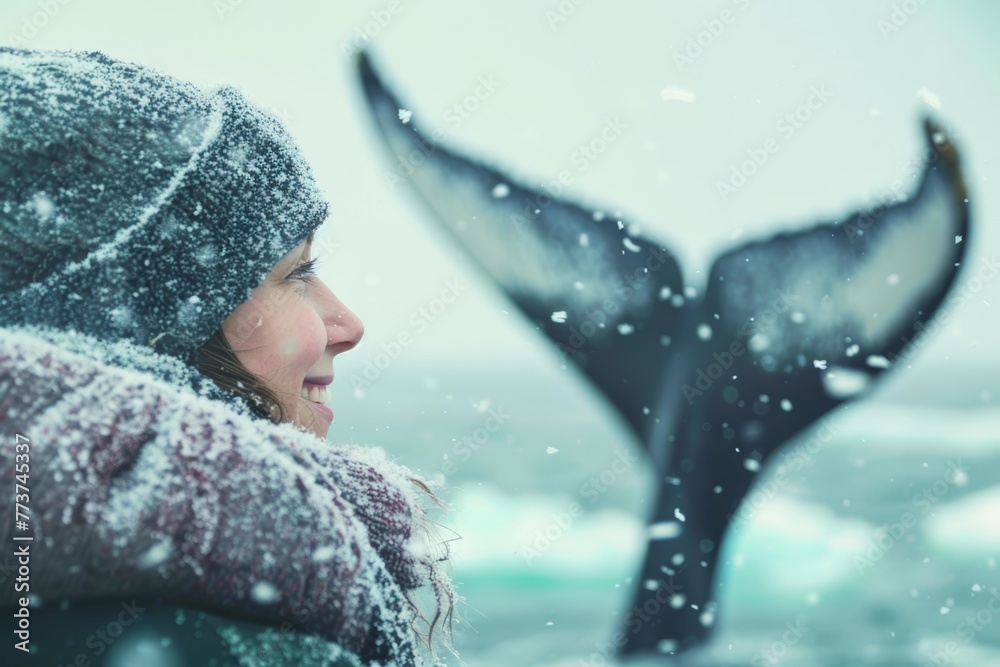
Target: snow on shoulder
156	489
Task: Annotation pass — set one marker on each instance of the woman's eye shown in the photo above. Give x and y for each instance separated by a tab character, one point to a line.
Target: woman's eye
304	271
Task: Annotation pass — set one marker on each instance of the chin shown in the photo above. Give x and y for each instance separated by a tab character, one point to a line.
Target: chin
319	430
312	420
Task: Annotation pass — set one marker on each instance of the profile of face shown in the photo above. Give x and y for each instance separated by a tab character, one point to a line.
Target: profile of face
287	334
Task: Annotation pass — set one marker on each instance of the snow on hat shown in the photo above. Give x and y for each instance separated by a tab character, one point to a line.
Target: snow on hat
135	206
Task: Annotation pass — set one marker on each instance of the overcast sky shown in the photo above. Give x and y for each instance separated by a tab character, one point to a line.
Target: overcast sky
556	77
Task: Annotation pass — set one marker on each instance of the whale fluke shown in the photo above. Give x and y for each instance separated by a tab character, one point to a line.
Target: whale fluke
549	256
712	381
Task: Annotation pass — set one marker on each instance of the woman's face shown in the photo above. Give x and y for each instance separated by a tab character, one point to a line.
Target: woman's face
287	334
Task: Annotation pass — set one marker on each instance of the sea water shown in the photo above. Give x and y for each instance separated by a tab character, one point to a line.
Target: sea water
881	548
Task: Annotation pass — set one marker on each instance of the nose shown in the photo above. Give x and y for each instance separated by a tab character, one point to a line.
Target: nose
344	329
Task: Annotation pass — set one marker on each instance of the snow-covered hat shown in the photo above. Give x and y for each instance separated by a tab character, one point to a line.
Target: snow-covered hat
135	206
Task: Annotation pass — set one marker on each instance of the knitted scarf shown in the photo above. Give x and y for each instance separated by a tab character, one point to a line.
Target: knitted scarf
139	486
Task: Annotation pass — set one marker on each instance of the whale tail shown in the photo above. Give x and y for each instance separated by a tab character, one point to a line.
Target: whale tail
786	329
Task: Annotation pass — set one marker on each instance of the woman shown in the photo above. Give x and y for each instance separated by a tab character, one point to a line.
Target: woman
164	353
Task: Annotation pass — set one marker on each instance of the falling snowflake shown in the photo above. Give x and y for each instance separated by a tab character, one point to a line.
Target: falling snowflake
265	592
631	245
877	361
664	530
675	93
405	115
666	645
323	554
845	382
156	554
930	98
43	206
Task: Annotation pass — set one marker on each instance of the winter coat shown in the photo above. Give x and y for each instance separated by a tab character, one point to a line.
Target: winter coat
273	546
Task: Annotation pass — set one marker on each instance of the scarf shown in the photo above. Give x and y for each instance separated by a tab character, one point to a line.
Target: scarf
140	486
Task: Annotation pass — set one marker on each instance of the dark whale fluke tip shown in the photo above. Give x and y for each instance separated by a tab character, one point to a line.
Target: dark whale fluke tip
364	63
942	143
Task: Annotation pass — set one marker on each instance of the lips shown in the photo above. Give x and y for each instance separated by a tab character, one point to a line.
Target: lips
315	390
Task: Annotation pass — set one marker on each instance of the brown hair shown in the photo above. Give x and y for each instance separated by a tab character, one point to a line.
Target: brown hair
218	361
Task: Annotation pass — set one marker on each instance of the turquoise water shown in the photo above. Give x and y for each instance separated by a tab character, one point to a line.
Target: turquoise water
877	551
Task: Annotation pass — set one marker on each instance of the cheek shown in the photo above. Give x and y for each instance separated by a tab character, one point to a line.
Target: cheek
274	335
302	339
243	324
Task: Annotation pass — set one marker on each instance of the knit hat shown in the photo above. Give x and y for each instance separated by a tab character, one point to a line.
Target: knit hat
135	206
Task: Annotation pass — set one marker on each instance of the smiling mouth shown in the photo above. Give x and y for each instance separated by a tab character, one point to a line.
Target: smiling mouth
315	393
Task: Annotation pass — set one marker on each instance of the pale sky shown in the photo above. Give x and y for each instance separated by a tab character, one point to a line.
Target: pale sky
556	82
